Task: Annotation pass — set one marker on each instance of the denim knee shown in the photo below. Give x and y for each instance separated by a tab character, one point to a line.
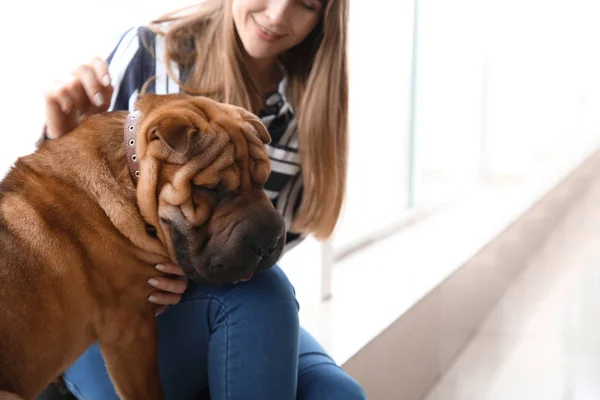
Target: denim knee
274	284
268	295
327	381
353	390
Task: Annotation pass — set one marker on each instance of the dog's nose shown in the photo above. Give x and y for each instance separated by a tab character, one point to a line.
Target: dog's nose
265	233
264	250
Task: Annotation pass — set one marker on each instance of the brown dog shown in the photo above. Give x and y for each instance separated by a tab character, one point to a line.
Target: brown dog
80	234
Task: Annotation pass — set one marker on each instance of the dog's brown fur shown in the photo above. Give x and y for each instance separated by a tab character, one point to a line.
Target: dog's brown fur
75	255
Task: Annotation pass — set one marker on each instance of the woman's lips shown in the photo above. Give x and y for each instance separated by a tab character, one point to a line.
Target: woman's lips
264	33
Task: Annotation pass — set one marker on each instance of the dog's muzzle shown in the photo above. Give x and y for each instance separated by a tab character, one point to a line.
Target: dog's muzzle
251	243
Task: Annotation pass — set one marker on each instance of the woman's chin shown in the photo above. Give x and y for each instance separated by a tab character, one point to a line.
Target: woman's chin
260	53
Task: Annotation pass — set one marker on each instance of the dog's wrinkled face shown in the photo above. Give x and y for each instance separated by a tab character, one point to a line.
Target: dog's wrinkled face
203	168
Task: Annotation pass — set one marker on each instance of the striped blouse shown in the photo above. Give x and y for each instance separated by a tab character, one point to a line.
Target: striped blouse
131	65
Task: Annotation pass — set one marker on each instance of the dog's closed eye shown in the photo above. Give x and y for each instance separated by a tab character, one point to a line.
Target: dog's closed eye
219	190
206	186
205	192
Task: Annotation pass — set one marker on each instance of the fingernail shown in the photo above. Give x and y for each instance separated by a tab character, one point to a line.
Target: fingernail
153	299
98	99
153	282
106	80
161	267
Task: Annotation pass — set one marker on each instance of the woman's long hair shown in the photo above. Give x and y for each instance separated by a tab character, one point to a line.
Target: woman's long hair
204	39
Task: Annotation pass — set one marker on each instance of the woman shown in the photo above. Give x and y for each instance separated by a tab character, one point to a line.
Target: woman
285	60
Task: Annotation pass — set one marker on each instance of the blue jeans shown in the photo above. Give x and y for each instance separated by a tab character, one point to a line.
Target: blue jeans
242	341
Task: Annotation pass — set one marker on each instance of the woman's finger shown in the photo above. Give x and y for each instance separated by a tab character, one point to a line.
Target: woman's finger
61	107
100	68
59	94
170	268
172	285
164	298
91	86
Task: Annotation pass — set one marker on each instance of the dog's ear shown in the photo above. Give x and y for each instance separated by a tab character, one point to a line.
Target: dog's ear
149	101
174	132
259	129
257	125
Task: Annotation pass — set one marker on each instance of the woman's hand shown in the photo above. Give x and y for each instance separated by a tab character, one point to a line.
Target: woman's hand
170	287
86	91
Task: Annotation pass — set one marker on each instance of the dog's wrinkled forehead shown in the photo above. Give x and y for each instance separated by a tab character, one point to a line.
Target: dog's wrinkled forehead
193	141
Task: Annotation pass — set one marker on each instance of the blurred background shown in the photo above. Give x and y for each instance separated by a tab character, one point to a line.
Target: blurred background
474	128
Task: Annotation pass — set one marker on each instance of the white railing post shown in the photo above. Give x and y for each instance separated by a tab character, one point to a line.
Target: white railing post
327	261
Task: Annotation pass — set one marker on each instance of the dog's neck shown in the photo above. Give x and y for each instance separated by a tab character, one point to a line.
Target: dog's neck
93	158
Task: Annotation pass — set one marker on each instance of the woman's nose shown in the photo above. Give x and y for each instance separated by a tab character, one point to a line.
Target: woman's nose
276	11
